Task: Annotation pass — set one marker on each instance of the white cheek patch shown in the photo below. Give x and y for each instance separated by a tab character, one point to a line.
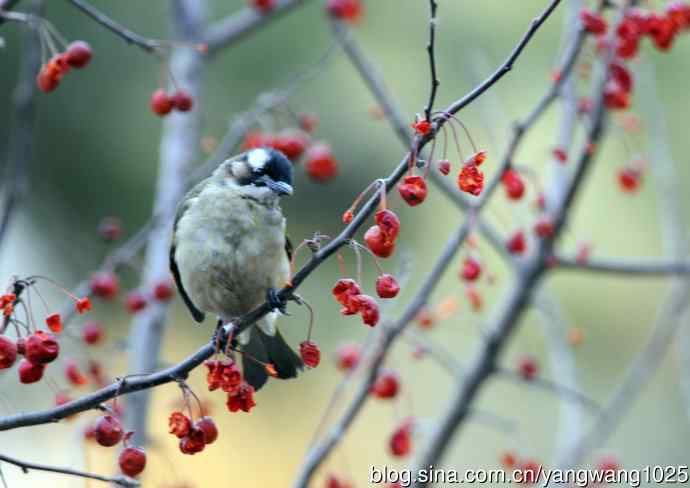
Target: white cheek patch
257	158
240	170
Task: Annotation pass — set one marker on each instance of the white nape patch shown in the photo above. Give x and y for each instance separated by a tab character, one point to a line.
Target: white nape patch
257	158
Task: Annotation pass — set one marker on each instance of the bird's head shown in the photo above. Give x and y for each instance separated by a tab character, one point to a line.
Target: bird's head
257	169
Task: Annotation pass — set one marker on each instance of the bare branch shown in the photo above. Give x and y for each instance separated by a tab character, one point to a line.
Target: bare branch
26	467
148	45
229	30
635	266
431	50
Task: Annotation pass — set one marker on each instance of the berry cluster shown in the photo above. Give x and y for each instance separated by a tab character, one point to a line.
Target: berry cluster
105	285
107	431
162	104
193	436
77	55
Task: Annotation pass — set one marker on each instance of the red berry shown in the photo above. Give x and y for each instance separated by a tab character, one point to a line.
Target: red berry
474	297
182	101
92	333
401	441
208	427
179	424
516	243
615	98
78	54
593	22
132	461
471	269
223	374
242	398
530	471
291	143
344	290
108	431
389	223
257	139
308	122
509	459
413	190
544	227
425	318
348	216
61	398
194	442
627	47
444	167
528	367
310	354
471	179
163	291
110	229
387	286
41	348
422	127
320	163
45	82
30	372
513	184
622	76
73	374
347	10
629	179
379	242
662	31
82	305
54	323
386	386
608	464
135	301
263	6
104	284
347	356
560	154
8	353
161	104
368	309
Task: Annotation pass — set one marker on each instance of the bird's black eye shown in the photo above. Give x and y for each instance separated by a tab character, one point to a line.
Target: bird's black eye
271	163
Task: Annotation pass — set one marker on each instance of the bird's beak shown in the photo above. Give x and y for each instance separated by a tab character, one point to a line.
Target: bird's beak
279	187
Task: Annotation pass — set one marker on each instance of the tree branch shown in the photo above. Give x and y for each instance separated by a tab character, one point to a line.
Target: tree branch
635	266
431	50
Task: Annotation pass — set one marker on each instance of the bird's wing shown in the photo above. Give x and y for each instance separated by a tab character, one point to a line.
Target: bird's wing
288	248
181	208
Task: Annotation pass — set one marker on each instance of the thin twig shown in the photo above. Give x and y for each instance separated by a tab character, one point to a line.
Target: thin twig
26	467
635	266
431	50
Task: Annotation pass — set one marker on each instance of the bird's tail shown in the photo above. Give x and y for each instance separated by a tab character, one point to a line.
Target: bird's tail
268	347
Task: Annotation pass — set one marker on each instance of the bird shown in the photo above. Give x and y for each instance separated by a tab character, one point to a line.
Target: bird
229	253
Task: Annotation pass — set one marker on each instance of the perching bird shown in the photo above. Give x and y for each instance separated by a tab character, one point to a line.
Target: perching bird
229	253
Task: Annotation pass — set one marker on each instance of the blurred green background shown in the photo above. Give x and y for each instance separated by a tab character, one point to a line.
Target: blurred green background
96	154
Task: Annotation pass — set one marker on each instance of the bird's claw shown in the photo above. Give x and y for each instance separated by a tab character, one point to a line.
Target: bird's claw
276	302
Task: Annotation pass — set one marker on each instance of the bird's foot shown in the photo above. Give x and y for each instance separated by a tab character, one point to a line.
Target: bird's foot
223	336
276	302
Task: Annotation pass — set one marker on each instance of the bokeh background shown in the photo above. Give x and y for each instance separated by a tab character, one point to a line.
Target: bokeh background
96	154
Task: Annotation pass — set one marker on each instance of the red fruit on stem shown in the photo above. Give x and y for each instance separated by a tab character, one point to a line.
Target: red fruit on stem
179	424
8	353
263	6
208	427
222	374
54	323
401	441
474	297
379	242
347	356
73	374
528	367
530	471
444	167
413	190
242	398
310	353
163	291
161	104
387	385
132	461
110	229
593	22
135	301
41	348
82	305
544	227
513	184
292	143
622	76
194	442
182	101
104	284
389	223
346	10
368	309
421	127
471	269
387	286
78	54
471	179
92	333
45	81
30	372
629	179
320	164
517	243
108	431
308	122
343	291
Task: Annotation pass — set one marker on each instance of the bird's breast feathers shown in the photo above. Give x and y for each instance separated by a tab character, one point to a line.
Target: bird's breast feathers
230	248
